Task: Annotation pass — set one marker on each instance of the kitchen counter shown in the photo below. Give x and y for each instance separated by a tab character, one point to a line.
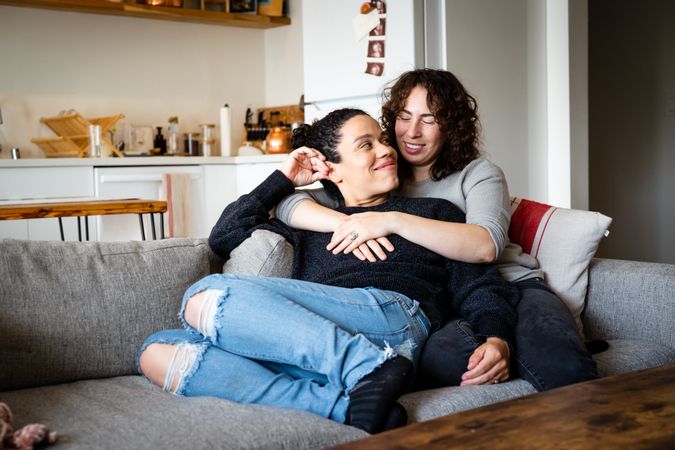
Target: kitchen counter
142	161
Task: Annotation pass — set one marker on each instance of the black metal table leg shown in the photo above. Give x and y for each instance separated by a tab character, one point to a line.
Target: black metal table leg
86	227
161	224
140	220
79	230
152	223
63	238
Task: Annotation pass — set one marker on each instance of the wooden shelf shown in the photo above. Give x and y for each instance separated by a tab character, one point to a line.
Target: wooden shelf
155	12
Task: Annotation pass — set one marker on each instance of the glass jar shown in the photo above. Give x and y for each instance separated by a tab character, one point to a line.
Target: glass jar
206	140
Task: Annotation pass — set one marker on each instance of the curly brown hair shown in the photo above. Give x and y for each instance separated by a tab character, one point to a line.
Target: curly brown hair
454	109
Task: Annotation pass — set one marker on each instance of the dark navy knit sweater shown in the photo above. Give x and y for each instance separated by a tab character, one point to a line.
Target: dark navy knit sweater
443	287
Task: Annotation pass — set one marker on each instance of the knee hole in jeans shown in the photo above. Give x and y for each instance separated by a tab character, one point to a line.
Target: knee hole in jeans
183	359
200	311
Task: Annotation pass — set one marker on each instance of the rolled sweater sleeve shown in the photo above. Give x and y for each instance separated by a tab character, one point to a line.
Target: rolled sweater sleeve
487	200
249	213
287	206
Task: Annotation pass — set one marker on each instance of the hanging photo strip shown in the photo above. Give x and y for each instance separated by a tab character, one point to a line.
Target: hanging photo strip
376	51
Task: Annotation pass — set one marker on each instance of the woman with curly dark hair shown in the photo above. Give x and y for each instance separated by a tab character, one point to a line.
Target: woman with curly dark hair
432	121
454	110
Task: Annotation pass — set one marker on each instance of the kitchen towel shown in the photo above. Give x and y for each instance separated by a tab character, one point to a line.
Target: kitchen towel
177	189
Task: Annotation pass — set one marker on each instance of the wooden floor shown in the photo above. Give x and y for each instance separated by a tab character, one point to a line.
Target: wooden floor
629	411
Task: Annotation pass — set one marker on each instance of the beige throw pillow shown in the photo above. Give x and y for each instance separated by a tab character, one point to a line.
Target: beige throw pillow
563	241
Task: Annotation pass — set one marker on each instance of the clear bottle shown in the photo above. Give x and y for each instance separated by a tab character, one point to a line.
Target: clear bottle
172	142
94	141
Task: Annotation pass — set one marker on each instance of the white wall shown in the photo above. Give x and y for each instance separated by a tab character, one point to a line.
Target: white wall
558	103
487	49
283	60
526	63
537	105
103	65
632	129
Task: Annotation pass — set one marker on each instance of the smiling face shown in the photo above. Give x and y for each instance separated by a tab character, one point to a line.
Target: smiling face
418	135
367	171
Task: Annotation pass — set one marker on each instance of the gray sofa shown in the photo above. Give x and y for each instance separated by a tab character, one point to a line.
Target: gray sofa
74	314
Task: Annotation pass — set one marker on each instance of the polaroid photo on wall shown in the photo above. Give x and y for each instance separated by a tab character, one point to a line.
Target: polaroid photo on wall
380	29
380	5
374	68
376	48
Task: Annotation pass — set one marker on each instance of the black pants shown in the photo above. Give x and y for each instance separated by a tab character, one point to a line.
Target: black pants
549	351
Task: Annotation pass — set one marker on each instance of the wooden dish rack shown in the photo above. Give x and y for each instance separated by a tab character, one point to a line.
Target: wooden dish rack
73	135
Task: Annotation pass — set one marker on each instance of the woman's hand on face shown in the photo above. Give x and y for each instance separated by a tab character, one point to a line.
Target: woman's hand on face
363	234
305	166
488	364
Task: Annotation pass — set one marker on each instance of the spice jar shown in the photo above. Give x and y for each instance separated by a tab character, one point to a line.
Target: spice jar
206	140
191	147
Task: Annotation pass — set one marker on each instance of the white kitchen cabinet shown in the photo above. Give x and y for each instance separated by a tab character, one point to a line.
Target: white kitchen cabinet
43	184
215	182
146	183
226	183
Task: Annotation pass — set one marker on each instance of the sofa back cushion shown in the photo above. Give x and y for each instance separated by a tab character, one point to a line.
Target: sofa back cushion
263	254
75	310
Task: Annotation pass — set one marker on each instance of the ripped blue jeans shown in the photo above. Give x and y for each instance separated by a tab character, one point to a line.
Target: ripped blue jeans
288	343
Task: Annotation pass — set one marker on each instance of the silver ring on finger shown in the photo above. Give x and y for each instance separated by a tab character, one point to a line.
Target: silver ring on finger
495	381
353	236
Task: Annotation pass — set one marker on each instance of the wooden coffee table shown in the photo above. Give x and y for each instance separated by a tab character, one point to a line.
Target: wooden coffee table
635	410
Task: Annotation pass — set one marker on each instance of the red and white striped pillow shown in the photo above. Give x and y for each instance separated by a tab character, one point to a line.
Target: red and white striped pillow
563	241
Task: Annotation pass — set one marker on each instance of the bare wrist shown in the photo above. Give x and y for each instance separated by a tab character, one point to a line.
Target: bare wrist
394	222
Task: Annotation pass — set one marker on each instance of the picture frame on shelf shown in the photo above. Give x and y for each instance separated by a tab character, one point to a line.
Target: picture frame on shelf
272	8
214	5
243	6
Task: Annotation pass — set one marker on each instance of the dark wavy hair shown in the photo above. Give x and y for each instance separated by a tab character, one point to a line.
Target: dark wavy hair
454	109
324	136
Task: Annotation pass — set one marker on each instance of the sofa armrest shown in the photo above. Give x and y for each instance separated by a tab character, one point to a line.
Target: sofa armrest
630	299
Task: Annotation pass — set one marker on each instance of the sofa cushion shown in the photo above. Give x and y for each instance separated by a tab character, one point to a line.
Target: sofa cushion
630	300
627	355
264	254
427	405
130	412
563	241
73	310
